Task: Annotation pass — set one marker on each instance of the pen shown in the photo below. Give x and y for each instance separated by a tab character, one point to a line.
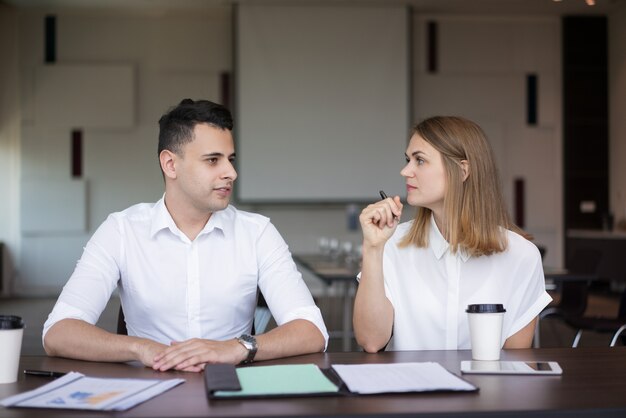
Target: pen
383	196
44	373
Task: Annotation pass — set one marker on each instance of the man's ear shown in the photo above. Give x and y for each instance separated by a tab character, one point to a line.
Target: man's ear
465	168
167	159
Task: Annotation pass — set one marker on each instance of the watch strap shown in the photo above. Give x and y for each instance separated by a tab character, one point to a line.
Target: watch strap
249	342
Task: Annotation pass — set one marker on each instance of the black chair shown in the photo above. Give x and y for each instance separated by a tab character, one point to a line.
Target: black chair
601	324
574	291
121	323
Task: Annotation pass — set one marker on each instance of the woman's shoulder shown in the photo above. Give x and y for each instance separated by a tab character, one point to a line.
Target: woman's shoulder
520	246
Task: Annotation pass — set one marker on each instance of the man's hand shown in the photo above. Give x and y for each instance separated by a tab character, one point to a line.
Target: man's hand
147	350
192	355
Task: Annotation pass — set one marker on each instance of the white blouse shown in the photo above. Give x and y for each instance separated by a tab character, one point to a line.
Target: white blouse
430	289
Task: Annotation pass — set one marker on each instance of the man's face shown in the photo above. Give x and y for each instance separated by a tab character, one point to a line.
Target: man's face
204	169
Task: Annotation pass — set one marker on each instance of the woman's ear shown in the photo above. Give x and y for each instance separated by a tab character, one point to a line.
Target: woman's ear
465	168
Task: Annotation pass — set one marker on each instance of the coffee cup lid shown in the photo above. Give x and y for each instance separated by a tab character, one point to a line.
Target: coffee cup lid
11	322
485	308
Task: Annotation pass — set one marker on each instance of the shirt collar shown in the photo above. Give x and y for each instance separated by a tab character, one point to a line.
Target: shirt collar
161	219
439	244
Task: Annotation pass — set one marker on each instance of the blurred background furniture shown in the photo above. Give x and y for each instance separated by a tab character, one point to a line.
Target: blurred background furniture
601	324
335	270
573	287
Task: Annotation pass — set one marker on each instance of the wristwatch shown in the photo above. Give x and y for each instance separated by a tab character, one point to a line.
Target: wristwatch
249	342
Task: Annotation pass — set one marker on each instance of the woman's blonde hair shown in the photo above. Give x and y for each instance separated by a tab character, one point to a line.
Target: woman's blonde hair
474	209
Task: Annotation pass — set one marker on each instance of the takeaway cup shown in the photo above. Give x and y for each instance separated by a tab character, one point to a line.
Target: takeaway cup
11	330
485	323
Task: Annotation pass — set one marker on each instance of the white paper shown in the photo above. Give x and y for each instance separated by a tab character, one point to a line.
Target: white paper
77	391
399	377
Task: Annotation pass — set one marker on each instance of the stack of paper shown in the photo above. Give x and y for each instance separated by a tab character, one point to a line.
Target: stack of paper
77	391
399	377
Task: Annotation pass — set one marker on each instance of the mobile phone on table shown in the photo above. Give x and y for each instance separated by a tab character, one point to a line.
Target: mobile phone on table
511	367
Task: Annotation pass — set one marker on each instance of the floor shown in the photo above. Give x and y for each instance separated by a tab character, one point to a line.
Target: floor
554	333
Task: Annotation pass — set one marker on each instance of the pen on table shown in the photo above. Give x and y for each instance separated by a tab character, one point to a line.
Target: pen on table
44	373
383	196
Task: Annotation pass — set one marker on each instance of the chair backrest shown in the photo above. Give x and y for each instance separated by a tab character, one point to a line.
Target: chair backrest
622	306
121	323
584	261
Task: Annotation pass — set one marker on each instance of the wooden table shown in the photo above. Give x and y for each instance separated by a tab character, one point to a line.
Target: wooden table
593	384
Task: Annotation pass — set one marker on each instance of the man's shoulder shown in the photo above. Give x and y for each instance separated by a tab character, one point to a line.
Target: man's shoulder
246	219
137	212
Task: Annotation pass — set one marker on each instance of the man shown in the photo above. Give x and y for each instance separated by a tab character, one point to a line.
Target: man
187	267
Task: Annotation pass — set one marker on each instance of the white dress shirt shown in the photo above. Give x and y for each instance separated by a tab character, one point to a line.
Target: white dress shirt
174	289
430	289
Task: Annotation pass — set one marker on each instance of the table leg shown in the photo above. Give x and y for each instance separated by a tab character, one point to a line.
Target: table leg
347	317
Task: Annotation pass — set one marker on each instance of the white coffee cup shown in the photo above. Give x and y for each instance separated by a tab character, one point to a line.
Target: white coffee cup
485	323
11	331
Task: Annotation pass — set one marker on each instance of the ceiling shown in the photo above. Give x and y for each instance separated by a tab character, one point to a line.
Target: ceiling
529	7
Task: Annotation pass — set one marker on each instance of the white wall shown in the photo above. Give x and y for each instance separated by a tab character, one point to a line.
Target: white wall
9	143
617	114
172	58
182	56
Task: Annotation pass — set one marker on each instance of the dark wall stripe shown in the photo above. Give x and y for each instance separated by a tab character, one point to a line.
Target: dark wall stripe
532	86
225	89
585	120
50	41
432	43
77	153
519	202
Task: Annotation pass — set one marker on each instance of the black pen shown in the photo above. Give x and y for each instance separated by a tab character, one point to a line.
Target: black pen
383	196
44	373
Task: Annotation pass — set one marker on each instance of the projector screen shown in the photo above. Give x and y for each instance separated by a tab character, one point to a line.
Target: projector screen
322	102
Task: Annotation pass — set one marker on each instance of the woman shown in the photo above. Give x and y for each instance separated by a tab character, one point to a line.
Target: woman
417	278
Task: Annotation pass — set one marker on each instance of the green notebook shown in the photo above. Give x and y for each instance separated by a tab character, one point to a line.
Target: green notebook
281	380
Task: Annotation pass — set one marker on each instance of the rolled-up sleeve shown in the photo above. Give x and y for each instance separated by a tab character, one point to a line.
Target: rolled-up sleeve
281	283
530	296
95	277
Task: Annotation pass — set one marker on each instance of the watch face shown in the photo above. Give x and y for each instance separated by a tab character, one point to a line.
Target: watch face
249	342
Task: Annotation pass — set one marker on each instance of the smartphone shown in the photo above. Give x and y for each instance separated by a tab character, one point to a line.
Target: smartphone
511	367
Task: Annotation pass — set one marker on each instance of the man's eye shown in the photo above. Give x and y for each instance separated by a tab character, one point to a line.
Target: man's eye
211	160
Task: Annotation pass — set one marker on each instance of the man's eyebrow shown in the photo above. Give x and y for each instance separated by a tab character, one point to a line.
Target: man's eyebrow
213	154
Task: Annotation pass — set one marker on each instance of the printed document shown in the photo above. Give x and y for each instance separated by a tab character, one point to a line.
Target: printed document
399	377
77	391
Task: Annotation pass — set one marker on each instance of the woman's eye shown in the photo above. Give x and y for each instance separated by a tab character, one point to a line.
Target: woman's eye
407	159
419	161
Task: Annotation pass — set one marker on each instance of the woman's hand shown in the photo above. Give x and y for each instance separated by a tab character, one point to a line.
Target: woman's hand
379	221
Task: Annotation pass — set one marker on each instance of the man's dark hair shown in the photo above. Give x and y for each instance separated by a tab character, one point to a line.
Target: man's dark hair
177	125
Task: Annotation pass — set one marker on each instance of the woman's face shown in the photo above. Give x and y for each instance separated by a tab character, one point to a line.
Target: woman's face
425	175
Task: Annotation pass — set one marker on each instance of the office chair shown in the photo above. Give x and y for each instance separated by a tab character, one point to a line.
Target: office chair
574	293
600	324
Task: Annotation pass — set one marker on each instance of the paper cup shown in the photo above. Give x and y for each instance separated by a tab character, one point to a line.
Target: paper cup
11	331
485	323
